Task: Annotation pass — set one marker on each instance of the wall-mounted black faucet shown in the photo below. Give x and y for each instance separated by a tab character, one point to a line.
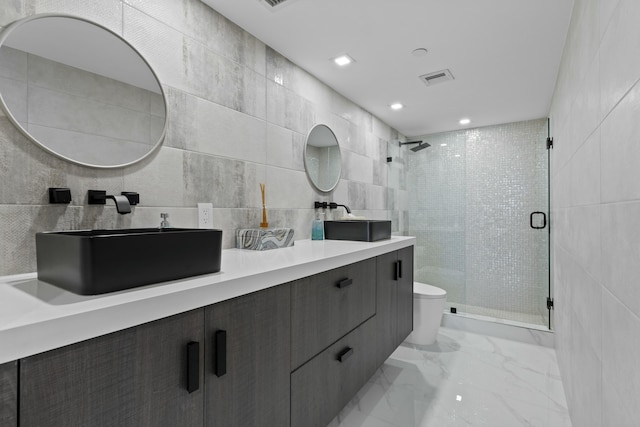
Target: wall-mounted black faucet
331	205
123	201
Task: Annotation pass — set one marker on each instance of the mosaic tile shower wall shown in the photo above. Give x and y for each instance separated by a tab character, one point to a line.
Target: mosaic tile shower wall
471	195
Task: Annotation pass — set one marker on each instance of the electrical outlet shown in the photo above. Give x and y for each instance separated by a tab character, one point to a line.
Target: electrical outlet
205	215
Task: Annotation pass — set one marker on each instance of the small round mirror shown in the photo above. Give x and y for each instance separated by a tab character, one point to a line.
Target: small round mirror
80	91
322	159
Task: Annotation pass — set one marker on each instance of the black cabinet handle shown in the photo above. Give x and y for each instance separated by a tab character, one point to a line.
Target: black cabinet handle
397	274
193	366
400	268
345	282
220	355
345	354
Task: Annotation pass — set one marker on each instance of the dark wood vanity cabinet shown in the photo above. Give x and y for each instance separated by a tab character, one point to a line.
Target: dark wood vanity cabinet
394	302
339	337
328	305
291	355
150	375
136	377
248	360
9	394
333	340
325	384
405	294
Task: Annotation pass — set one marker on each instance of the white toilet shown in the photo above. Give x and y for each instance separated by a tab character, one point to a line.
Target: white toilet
428	306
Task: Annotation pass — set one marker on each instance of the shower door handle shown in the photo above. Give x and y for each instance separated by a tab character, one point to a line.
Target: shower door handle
544	220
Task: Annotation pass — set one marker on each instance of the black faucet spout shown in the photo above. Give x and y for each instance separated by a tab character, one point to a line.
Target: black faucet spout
333	205
99	197
122	203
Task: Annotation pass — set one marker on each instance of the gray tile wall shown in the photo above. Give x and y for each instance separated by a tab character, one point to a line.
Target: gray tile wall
595	212
238	116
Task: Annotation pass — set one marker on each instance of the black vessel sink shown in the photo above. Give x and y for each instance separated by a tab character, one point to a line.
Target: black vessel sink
361	230
94	262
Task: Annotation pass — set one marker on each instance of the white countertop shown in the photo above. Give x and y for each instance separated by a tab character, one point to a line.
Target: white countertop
36	316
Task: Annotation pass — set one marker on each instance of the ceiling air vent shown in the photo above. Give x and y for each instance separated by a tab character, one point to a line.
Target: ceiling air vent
276	4
436	77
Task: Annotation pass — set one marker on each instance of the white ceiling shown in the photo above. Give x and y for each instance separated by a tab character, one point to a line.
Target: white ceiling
504	54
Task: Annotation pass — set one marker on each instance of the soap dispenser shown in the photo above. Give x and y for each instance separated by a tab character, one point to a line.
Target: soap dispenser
317	227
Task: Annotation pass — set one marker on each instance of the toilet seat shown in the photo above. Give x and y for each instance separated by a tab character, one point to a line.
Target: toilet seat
424	291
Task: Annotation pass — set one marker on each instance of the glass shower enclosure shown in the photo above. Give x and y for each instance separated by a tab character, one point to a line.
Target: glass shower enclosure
477	202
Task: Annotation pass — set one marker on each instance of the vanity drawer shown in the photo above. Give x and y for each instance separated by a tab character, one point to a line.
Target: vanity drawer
324	385
326	306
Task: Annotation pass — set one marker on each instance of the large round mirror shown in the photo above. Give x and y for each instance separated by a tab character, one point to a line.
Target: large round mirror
322	158
80	91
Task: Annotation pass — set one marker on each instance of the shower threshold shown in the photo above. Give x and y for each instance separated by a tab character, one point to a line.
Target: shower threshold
531	333
524	320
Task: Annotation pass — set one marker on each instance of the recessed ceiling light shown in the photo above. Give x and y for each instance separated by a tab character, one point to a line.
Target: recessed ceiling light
343	60
443	145
465	121
396	106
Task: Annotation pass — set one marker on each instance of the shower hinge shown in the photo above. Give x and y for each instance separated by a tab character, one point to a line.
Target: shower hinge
549	303
549	143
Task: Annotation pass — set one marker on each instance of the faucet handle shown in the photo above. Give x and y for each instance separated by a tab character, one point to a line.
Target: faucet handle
132	196
97	197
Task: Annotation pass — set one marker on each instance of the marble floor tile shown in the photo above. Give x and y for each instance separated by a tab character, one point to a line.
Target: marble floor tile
464	379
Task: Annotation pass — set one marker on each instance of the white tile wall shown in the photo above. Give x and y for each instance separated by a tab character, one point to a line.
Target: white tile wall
621	376
585	180
620	150
595	211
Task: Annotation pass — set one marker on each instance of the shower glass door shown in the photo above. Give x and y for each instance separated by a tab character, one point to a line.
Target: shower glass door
478	205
